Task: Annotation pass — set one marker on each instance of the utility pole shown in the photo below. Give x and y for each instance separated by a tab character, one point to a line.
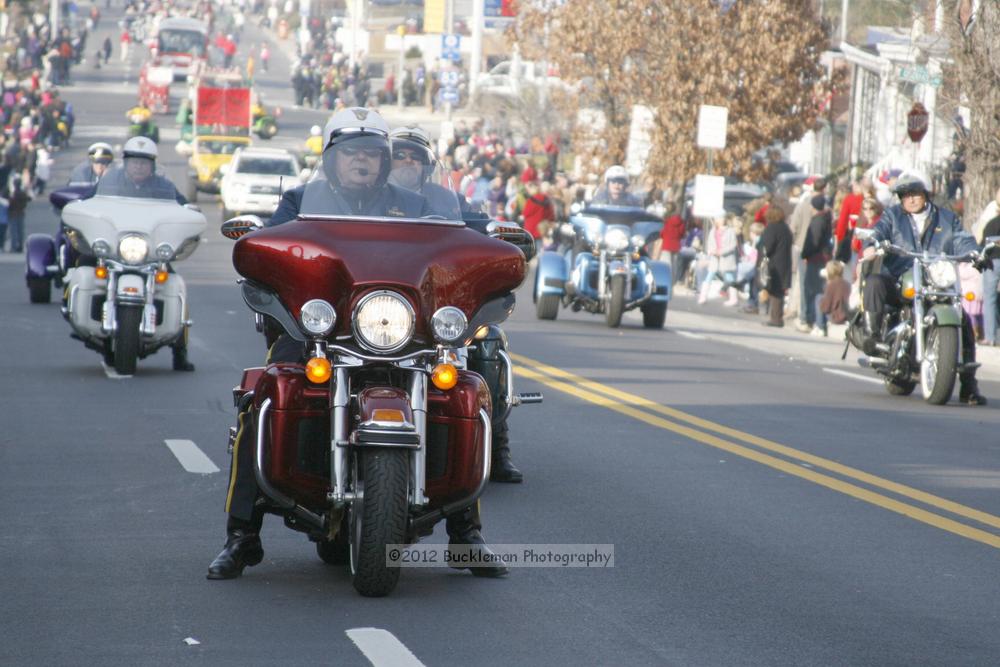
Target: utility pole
53	19
476	59
844	8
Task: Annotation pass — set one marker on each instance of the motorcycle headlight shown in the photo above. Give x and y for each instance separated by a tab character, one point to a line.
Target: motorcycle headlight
638	240
942	274
318	317
449	323
101	248
383	321
133	249
164	252
616	239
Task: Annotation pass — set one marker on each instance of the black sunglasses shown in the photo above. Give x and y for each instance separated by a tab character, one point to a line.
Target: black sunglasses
371	153
404	154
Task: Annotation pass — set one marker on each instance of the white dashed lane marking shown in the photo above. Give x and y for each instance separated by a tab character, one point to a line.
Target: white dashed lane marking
382	648
853	376
192	458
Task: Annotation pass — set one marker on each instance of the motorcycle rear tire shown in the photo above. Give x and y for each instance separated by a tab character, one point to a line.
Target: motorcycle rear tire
380	520
654	315
547	307
899	387
943	341
39	290
616	304
126	349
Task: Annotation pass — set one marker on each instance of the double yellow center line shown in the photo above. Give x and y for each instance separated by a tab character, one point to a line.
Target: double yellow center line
726	439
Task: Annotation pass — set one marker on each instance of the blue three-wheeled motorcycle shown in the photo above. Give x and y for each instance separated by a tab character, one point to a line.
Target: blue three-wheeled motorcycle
604	267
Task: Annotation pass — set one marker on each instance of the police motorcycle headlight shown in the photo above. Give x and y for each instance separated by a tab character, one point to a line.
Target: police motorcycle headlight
164	252
133	249
318	317
616	239
448	324
383	321
942	274
101	248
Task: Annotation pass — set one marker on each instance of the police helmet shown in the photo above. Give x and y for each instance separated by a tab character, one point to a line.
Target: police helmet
101	153
356	127
140	147
912	181
616	173
315	131
414	139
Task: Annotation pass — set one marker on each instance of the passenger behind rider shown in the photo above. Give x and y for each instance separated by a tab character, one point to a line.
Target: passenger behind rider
137	176
356	167
916	224
88	172
614	191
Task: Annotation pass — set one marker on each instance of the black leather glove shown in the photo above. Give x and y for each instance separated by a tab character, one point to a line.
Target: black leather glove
983	264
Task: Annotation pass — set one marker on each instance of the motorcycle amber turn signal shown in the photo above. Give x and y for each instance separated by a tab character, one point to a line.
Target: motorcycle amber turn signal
101	272
444	376
970	296
318	370
909	293
161	277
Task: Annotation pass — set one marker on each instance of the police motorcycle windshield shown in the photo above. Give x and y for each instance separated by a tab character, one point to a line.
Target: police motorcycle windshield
135	178
430	181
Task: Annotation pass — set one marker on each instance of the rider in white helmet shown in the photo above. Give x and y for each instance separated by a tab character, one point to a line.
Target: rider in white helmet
99	157
137	176
614	189
354	176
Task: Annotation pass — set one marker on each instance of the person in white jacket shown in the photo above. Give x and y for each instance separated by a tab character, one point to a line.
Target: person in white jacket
722	249
43	169
991	211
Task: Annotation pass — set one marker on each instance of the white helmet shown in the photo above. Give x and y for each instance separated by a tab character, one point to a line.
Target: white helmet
361	128
100	152
140	147
315	131
615	172
912	180
413	138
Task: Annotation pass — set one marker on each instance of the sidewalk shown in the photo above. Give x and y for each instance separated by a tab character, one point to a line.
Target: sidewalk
712	323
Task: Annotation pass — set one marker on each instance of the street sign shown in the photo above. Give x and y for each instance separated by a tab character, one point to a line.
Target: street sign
919	74
708	194
712	122
917	121
450	47
449	77
449	94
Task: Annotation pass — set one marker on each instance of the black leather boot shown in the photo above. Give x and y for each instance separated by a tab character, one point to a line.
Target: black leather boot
873	331
968	391
181	362
502	469
243	549
463	531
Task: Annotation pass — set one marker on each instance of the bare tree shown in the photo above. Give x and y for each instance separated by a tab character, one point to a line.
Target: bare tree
759	58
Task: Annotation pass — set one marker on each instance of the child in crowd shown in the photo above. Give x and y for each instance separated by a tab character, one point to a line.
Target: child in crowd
833	304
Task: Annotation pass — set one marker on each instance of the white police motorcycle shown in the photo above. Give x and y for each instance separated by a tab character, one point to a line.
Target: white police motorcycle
123	299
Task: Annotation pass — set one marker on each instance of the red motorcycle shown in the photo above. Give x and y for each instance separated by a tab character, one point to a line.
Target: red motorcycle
382	432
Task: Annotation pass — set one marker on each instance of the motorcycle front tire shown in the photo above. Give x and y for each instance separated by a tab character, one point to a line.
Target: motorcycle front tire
40	290
940	364
126	348
380	520
616	304
654	315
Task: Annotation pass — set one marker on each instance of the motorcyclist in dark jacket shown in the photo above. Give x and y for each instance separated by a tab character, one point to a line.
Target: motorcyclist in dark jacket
916	224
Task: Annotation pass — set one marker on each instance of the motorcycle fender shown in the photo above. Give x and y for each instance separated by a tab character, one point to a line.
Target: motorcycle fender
550	276
662	281
616	267
40	253
130	288
385	419
945	315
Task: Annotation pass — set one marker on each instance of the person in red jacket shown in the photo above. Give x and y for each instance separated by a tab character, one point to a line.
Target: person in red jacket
538	213
670	238
850	209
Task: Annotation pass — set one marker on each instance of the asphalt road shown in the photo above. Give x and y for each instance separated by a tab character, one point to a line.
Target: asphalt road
763	510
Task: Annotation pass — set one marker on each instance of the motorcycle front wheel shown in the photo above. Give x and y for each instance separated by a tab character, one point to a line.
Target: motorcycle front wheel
616	304
378	518
939	365
40	290
126	349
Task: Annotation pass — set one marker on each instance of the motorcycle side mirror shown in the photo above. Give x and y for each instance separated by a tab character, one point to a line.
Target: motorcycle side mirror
514	235
864	234
240	226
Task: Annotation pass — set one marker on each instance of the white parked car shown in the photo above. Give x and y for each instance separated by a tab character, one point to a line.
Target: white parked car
256	177
500	80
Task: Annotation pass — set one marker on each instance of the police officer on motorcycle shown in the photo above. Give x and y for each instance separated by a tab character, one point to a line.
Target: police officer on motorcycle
413	162
615	192
137	175
99	157
356	166
916	224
